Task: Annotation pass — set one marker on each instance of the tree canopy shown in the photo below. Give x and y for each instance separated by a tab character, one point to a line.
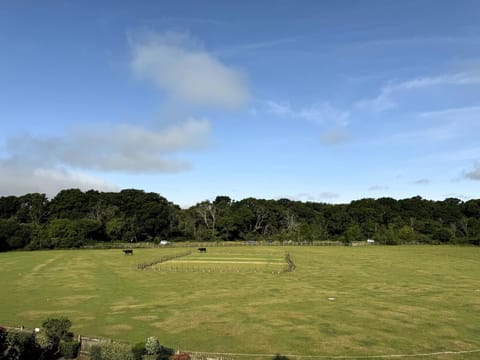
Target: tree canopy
74	218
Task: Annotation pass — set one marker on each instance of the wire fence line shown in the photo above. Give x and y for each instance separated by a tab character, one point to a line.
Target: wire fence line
193	244
165	258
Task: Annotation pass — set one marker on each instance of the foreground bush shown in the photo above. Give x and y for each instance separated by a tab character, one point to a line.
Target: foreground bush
21	346
111	350
68	349
3	341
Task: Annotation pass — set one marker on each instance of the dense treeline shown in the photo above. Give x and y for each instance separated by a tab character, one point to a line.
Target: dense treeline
74	218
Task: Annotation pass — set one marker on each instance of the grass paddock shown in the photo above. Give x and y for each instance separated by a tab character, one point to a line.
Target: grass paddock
387	300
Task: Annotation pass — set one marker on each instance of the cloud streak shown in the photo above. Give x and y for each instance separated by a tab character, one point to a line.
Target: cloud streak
328	195
378	188
422	181
323	113
386	98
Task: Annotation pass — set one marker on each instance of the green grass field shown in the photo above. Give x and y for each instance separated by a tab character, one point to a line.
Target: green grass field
388	300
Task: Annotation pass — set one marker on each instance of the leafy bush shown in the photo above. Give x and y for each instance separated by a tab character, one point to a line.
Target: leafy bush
138	351
21	346
68	349
57	329
3	341
110	350
152	346
280	357
45	345
43	341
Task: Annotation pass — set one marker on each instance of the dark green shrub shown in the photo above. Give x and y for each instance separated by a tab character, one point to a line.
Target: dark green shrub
58	329
138	351
280	357
68	349
3	341
165	353
21	346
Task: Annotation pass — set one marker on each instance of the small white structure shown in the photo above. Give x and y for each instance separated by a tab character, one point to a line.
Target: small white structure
163	242
370	241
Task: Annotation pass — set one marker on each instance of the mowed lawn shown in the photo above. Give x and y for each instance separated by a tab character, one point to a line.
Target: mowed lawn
387	300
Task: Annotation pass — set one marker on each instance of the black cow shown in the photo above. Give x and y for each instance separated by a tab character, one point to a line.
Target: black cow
202	250
128	251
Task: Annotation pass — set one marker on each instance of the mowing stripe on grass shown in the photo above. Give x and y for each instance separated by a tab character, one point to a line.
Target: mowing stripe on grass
220	262
234	258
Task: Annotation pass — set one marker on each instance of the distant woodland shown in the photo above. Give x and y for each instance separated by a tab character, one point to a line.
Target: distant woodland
74	218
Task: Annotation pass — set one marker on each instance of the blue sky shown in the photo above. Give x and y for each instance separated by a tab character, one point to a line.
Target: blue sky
325	101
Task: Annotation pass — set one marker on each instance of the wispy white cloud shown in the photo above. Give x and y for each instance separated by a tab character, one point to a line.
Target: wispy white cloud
257	45
467	110
449	79
279	109
434	133
458	196
459	155
422	181
328	195
323	113
386	98
415	40
383	101
378	188
311	197
302	197
176	63
473	174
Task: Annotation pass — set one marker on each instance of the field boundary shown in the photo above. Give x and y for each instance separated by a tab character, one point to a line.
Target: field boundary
201	355
194	244
86	342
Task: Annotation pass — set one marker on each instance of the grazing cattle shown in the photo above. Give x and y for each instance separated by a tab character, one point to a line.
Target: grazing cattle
202	250
128	251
